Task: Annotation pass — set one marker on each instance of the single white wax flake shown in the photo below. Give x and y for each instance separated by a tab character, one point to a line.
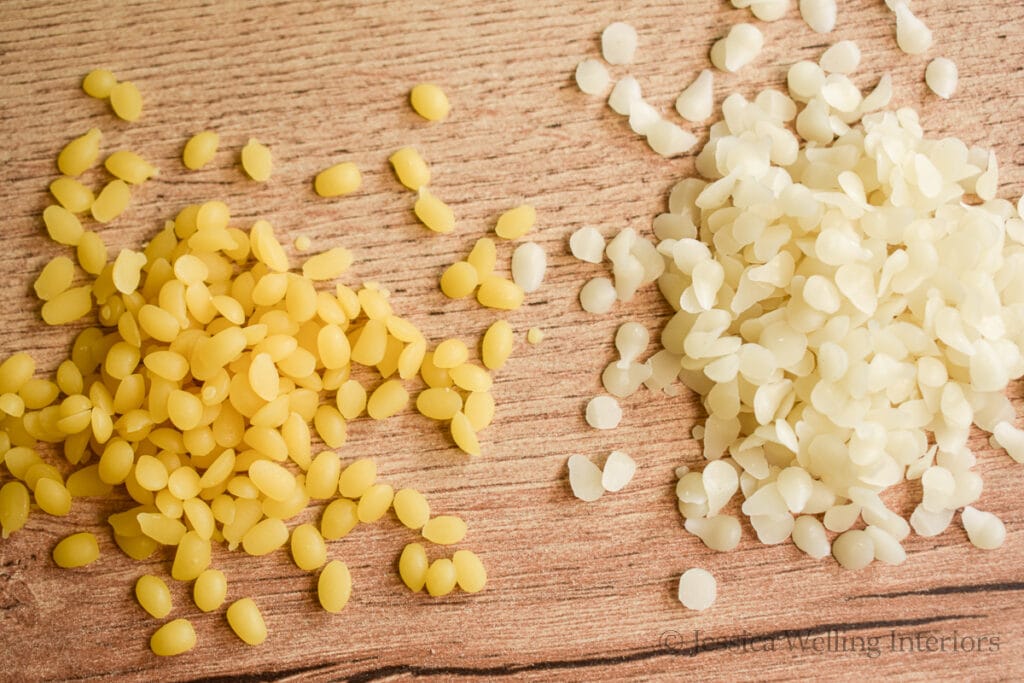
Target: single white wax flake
697	589
585	478
618	471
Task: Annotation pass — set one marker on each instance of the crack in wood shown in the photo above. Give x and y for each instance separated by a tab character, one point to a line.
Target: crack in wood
662	650
950	590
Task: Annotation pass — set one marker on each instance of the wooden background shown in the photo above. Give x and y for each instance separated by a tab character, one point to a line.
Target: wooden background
576	591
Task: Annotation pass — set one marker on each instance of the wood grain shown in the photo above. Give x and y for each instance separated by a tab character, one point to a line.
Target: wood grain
576	591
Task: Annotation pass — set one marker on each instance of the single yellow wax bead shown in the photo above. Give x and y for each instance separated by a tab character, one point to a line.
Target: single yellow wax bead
266	537
411	169
463	434
80	154
459	280
444	530
246	621
339	518
375	502
429	101
500	293
111	201
450	353
441	577
479	409
471	377
173	638
338	180
357	478
516	222
433	212
62	225
130	167
387	399
200	149
483	256
334	587
497	345
411	508
56	277
126	101
309	551
438	403
153	595
76	550
72	195
469	571
191	558
210	589
256	160
14	507
52	497
412	566
98	83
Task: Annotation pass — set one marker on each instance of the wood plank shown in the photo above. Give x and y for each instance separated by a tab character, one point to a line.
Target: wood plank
576	591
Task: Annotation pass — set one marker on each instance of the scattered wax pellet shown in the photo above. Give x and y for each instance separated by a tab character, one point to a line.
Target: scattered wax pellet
200	150
429	101
153	595
516	222
80	154
411	508
334	587
469	571
697	589
72	195
98	83
173	638
111	201
412	566
76	550
500	293
434	213
246	621
256	160
62	225
410	168
126	101
441	577
210	589
130	167
459	280
338	180
444	530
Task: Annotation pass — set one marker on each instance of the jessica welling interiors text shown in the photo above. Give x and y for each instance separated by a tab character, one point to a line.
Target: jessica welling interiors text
832	642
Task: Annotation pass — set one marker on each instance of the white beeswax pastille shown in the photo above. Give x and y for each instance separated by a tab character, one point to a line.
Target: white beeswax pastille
697	589
618	471
941	77
587	244
603	412
597	295
585	478
528	265
820	15
592	77
912	35
697	100
618	43
625	92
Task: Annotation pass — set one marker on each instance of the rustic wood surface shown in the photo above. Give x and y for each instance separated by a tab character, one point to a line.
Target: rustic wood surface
576	591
